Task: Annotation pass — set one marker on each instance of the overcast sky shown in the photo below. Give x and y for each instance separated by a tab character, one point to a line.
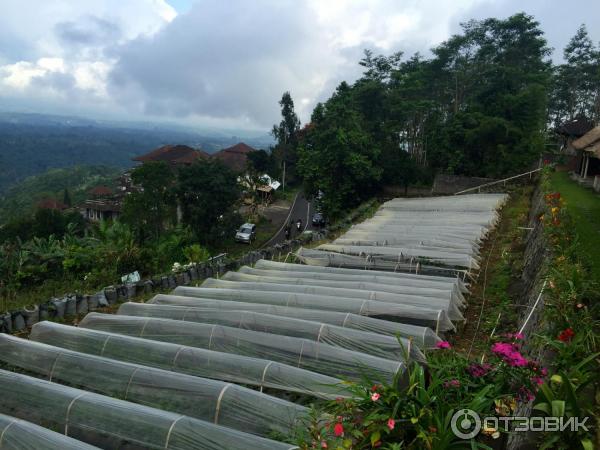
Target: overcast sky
224	63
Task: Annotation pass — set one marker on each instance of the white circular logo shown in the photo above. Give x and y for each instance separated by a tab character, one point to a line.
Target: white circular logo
465	423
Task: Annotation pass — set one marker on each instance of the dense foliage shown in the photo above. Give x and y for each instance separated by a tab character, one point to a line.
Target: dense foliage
50	251
415	411
477	107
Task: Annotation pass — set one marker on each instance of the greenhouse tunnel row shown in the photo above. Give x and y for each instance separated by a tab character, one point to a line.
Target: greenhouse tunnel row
235	362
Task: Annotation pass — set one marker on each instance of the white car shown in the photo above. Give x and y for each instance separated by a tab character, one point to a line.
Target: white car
246	233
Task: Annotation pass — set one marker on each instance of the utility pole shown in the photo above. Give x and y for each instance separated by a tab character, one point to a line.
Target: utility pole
284	155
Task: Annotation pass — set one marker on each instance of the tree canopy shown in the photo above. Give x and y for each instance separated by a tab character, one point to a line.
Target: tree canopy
207	191
477	107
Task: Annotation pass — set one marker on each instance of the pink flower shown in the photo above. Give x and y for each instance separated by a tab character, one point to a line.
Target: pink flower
338	429
443	345
451	384
509	354
323	444
479	370
391	423
525	395
375	396
537	380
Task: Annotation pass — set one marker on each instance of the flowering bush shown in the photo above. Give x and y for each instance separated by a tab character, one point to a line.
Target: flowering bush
414	410
570	328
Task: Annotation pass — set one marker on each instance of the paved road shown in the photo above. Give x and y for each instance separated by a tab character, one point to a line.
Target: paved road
300	209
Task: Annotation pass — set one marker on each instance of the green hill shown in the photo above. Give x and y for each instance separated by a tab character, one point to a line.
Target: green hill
21	198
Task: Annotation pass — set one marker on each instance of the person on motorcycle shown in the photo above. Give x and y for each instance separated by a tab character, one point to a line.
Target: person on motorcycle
288	231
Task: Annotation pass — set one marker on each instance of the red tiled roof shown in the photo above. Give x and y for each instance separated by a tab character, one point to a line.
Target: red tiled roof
234	157
174	154
51	203
100	191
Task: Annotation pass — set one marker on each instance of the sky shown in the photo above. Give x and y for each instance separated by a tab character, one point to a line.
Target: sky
224	64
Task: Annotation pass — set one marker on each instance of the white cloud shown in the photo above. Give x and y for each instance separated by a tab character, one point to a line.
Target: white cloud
61	48
221	63
233	60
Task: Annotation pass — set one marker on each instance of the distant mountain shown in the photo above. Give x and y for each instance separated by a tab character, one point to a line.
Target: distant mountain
31	144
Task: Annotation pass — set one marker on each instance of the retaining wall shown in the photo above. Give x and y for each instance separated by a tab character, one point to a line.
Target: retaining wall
536	258
73	304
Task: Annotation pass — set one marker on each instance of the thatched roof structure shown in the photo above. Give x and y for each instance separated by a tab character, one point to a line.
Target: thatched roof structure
589	142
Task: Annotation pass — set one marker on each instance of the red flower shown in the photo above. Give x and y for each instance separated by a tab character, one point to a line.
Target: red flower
566	335
391	423
338	430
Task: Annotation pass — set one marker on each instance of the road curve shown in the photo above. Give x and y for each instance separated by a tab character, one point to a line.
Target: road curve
301	209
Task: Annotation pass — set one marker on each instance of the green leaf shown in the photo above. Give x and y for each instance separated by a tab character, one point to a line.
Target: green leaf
558	408
587	444
543	407
375	437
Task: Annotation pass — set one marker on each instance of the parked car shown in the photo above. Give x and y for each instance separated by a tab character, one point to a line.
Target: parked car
246	233
318	220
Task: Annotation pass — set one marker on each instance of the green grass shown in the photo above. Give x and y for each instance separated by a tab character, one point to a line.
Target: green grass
501	267
583	205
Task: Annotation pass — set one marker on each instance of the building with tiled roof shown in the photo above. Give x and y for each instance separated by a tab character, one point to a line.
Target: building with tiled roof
100	191
173	155
235	157
51	203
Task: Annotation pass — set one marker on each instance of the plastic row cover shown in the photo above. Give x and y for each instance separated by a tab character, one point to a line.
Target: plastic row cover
214	401
437	319
427	254
437	231
463	203
304	353
361	341
407	279
189	360
16	434
171	308
321	258
446	293
110	423
387	284
392	239
451	308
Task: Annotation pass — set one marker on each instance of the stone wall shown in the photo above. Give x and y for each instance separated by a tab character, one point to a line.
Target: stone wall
531	304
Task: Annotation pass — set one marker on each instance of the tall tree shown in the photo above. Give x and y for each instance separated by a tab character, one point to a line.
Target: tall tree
150	209
338	157
286	134
67	198
207	191
576	82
